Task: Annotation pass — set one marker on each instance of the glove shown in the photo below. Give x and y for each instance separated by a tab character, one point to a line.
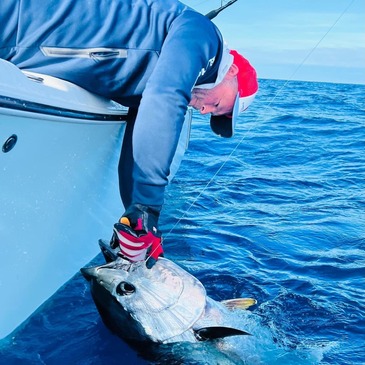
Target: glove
137	235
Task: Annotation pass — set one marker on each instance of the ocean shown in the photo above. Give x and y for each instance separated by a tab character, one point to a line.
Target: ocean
276	213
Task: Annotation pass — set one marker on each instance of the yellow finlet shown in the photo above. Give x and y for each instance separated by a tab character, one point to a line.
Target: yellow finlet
239	303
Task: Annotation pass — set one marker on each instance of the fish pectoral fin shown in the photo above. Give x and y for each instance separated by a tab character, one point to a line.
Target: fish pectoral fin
240	303
213	333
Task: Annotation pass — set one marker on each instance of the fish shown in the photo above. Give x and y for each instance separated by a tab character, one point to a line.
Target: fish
164	304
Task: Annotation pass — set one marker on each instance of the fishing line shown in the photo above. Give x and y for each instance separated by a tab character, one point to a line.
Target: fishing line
277	94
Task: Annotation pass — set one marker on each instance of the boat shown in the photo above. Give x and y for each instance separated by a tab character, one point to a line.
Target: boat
59	184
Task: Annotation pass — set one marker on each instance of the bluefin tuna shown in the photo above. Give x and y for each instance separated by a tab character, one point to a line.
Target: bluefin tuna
164	304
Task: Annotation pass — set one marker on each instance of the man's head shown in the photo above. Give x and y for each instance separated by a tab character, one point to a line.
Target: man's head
231	94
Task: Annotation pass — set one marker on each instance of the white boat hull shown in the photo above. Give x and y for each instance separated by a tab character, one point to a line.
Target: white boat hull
59	184
59	194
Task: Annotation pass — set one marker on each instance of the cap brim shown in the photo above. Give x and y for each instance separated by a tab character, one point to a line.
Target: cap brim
223	125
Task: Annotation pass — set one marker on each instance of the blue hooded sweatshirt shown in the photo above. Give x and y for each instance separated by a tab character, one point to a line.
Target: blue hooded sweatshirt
145	54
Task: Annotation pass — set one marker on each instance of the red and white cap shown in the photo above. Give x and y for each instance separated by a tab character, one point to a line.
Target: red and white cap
224	125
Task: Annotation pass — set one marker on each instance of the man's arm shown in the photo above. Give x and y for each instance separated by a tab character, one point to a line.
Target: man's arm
191	42
189	51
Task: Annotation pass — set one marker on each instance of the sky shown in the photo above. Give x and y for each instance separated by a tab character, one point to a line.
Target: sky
310	40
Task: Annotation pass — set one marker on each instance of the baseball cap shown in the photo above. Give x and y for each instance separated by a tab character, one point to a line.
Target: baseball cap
224	125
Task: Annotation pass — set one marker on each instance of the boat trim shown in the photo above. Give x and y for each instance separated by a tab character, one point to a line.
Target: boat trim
33	107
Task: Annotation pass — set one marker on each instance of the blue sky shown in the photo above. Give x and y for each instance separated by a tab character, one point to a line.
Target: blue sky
313	40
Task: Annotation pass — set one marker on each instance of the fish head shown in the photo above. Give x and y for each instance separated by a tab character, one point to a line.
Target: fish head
146	304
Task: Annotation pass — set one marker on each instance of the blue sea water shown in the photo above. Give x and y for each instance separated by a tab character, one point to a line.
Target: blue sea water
275	213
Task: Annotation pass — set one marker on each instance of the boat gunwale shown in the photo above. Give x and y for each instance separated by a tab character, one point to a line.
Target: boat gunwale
34	107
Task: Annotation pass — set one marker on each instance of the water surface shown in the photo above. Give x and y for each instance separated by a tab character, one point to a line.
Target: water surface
275	213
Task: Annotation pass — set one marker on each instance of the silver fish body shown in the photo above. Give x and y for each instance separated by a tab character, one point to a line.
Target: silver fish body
164	304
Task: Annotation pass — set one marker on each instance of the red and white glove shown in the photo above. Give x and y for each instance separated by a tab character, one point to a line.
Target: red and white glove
138	236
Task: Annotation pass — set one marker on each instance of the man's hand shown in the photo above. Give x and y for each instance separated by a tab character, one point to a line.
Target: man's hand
138	236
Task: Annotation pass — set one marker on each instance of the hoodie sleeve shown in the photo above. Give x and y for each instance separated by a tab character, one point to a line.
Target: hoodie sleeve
189	52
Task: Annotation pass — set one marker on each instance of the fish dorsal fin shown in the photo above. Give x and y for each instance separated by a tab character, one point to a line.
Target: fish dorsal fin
213	333
240	303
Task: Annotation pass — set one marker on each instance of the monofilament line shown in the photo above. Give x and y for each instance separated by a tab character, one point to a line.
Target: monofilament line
256	120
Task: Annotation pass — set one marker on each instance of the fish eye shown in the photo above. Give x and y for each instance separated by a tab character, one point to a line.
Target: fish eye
124	288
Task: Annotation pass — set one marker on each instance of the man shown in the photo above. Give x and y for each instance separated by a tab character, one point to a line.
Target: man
155	57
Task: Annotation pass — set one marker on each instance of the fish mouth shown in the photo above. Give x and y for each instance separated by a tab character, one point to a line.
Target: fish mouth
114	276
89	273
120	264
